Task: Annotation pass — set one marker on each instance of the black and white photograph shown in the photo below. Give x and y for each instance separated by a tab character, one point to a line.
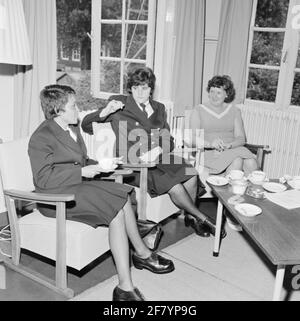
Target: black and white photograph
149	151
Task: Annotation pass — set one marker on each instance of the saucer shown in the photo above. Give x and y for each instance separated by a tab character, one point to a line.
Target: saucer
217	180
248	209
274	187
292	184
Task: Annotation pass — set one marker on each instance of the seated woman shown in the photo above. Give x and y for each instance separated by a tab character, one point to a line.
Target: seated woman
60	165
143	134
224	134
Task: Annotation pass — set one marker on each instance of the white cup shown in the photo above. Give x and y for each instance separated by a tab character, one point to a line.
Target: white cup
258	176
296	181
239	186
107	163
236	174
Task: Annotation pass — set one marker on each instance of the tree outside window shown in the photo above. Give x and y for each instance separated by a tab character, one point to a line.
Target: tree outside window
274	61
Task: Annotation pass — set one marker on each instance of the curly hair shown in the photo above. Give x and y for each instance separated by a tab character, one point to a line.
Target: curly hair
54	99
141	76
224	82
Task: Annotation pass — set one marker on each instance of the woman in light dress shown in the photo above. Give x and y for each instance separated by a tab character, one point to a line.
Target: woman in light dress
224	134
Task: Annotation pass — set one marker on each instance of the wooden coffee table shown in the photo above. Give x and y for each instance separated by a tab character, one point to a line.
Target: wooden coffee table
276	231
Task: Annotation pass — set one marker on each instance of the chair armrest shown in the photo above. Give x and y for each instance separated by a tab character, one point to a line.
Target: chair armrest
256	147
39	197
138	166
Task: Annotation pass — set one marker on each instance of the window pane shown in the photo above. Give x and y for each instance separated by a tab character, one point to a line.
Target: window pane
136	41
110	76
267	48
137	9
262	84
296	90
112	9
111	36
128	67
271	13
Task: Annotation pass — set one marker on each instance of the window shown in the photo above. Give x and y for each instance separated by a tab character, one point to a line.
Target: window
123	38
63	53
274	54
76	55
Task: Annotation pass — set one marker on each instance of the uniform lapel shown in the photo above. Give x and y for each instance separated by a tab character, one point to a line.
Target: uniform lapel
138	114
64	137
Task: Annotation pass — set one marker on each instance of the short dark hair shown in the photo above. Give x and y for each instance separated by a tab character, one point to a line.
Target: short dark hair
54	99
224	82
141	76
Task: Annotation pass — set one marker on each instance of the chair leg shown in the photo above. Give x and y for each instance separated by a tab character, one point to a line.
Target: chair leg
14	230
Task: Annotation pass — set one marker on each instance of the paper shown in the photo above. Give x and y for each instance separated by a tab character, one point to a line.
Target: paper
289	199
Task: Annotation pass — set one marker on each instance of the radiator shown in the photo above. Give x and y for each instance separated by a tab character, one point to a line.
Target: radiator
281	131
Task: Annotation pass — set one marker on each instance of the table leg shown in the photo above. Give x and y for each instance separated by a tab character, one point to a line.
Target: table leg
2	277
278	282
218	229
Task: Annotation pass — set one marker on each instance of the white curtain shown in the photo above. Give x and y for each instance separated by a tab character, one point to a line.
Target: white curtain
189	54
40	16
231	58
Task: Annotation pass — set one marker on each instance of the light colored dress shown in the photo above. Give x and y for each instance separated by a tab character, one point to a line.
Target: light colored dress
220	126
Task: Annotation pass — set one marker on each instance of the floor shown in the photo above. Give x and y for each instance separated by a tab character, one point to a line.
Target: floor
20	288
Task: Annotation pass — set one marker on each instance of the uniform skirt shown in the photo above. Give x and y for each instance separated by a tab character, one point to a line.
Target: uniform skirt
165	175
96	202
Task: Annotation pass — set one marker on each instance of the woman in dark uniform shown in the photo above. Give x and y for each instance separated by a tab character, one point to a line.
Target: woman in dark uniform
143	134
60	165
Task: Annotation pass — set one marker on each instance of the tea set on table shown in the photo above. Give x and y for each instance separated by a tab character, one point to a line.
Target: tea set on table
255	185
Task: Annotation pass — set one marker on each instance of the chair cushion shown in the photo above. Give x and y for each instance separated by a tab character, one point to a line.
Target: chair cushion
158	208
84	243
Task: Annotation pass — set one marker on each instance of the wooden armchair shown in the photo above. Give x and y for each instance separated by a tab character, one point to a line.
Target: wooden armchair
155	209
194	155
69	243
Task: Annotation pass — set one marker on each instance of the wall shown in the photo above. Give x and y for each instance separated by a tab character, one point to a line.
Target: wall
6	102
6	119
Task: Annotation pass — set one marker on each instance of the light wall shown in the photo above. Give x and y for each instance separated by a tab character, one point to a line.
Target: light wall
6	102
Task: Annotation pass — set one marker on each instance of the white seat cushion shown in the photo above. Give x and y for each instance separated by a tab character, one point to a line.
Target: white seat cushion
38	234
158	208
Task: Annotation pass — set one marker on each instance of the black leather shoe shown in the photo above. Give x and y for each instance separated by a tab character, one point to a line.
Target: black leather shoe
196	225
152	239
154	263
212	228
121	295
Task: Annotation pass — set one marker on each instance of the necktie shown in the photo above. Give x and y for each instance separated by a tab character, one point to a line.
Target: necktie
144	109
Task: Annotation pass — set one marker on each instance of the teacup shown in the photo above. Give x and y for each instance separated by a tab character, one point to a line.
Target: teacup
236	174
296	182
107	163
258	177
239	186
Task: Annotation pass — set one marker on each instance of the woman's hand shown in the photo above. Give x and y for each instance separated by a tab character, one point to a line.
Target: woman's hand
112	107
90	171
218	144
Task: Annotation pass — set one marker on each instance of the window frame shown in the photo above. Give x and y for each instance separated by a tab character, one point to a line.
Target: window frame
76	55
96	44
287	67
63	55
